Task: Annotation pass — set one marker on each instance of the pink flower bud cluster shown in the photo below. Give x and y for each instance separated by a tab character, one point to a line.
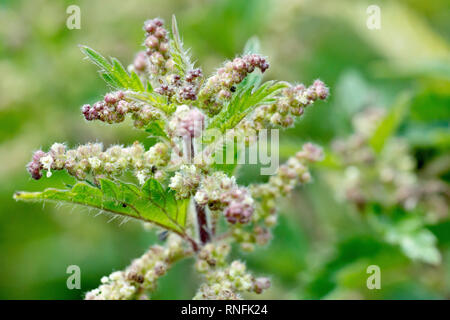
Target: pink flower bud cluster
158	48
182	90
114	107
291	104
240	206
221	192
91	159
221	85
54	159
295	171
111	109
186	122
212	189
140	63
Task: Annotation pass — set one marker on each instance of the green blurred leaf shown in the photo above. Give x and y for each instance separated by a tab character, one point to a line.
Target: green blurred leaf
151	203
253	79
409	233
391	122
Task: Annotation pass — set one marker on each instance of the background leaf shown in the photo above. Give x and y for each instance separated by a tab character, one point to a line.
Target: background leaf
391	122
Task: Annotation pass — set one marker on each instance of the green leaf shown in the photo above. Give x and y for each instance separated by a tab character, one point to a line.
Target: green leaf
113	72
252	46
228	167
180	56
151	203
391	122
253	79
154	99
156	129
244	101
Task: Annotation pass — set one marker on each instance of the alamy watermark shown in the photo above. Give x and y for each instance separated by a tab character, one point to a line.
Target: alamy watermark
74	19
232	147
374	280
373	21
74	280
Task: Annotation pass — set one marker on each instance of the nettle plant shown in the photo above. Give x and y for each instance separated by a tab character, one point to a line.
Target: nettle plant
179	185
377	173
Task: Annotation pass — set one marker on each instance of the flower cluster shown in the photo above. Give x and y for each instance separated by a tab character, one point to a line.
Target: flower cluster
186	122
387	177
225	282
141	275
182	90
212	189
185	181
293	172
221	192
158	49
220	86
114	107
290	104
258	235
91	159
194	199
240	206
228	283
111	110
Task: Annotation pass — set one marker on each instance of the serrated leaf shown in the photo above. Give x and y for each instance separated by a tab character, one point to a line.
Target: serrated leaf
113	72
156	129
180	56
244	101
151	203
154	99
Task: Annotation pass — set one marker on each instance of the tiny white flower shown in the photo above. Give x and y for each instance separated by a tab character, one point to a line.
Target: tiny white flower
95	162
47	162
141	176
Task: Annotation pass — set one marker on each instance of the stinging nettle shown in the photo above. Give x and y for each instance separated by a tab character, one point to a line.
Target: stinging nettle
166	95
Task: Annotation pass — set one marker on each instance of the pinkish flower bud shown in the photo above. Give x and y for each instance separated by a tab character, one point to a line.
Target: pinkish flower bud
140	61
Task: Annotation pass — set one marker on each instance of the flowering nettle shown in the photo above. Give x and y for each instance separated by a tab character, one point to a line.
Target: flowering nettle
179	186
381	182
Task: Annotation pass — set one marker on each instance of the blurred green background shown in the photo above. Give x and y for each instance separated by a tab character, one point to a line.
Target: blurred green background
321	248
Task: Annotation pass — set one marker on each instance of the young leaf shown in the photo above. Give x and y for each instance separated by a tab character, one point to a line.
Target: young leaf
114	73
156	129
151	203
245	100
180	56
154	99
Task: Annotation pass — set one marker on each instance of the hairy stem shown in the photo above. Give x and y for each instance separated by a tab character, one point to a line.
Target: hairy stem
202	221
